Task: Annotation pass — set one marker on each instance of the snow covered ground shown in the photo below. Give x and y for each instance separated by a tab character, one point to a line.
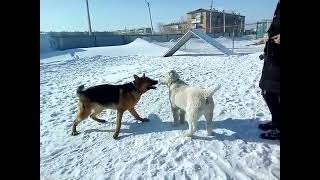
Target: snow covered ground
155	150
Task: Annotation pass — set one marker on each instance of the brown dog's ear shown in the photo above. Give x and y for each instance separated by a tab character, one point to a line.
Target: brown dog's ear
143	75
136	77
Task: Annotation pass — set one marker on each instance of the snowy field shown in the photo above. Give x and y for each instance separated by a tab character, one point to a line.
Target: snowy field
155	149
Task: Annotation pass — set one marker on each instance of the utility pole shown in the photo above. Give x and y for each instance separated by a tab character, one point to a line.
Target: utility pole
89	22
224	22
210	16
148	4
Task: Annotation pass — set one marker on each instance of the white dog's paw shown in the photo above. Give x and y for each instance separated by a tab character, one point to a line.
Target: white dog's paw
209	133
188	134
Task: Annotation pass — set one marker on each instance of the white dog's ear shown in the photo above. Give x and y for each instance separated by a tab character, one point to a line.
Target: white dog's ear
135	77
174	75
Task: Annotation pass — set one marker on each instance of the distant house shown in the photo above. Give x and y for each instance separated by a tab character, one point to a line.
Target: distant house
141	31
175	28
220	21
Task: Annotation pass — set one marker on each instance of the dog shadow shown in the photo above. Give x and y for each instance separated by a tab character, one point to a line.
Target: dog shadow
234	129
154	125
212	54
204	54
228	129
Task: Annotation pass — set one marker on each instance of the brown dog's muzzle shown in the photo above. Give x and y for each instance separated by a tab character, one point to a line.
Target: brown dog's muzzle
152	85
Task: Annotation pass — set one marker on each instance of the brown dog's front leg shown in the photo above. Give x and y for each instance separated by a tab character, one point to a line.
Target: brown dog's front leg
134	113
118	124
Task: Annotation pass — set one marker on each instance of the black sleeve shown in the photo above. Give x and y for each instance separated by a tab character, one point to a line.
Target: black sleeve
275	25
272	50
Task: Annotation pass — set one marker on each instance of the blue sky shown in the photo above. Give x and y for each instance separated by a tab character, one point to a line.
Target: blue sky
109	15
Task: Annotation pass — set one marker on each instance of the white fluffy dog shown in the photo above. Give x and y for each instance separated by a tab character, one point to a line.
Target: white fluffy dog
189	102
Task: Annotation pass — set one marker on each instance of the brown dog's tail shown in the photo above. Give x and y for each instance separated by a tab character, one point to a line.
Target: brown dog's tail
79	90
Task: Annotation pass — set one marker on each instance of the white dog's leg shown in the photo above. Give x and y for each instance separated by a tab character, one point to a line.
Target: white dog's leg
192	128
192	118
175	112
209	115
182	114
189	134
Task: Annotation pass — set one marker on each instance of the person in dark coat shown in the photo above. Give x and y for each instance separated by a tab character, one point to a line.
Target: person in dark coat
270	78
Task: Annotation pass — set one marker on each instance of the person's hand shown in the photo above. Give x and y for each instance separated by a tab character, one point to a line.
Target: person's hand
276	39
265	37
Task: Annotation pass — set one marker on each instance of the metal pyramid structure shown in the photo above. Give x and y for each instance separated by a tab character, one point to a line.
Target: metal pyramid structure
200	35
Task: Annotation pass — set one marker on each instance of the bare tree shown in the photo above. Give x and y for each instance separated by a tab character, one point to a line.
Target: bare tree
180	26
161	28
184	24
169	30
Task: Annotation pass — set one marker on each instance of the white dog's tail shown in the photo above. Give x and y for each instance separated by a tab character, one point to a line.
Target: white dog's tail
215	90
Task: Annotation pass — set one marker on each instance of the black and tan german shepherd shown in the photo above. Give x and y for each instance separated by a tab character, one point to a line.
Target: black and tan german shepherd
94	100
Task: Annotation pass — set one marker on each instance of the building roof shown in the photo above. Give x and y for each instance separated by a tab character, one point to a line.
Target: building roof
213	10
176	23
198	10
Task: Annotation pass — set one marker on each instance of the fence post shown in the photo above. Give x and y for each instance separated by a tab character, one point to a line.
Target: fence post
257	31
233	39
224	23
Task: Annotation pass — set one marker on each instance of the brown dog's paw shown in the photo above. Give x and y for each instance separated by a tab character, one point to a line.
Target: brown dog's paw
74	133
102	121
144	120
115	136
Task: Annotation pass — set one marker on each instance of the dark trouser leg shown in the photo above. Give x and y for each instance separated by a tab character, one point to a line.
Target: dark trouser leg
273	102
